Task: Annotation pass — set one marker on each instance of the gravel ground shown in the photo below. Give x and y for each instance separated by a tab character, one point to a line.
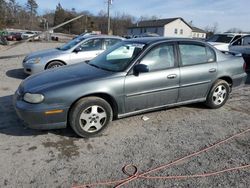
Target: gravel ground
31	158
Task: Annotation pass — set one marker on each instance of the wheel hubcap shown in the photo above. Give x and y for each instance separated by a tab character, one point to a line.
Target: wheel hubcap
219	95
54	66
93	119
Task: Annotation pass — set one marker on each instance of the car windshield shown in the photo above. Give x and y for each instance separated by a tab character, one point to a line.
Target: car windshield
221	38
117	58
71	44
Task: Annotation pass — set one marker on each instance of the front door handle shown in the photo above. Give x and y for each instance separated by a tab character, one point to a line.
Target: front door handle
212	70
172	76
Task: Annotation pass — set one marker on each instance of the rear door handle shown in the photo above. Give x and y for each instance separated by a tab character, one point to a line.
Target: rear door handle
172	76
212	70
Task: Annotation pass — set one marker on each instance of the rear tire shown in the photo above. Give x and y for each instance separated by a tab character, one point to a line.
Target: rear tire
54	64
218	94
90	116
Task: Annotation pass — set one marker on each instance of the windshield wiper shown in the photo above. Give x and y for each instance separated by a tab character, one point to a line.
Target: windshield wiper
98	67
95	66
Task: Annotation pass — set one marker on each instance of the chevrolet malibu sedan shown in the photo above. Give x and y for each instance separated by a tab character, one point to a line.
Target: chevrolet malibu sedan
80	49
134	76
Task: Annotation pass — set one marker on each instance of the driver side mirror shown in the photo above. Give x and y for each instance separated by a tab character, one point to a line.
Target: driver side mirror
140	68
77	49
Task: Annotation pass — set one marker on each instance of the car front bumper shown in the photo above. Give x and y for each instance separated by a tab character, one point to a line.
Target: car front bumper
29	68
35	117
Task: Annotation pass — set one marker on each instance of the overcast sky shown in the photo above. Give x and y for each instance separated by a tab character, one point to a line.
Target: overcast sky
227	13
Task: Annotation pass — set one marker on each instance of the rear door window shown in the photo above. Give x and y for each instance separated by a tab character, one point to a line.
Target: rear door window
192	54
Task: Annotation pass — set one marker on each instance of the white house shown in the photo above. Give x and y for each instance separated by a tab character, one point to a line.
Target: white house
198	33
171	27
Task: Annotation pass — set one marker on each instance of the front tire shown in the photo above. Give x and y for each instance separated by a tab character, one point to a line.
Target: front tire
90	116
218	94
54	64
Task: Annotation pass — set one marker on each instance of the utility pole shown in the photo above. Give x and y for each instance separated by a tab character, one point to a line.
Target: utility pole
86	24
109	3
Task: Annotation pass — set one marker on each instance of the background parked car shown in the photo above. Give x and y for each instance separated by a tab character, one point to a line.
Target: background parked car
222	41
77	50
30	34
14	36
242	45
135	76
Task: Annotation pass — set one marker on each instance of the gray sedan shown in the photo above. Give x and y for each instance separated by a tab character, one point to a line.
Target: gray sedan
134	76
80	49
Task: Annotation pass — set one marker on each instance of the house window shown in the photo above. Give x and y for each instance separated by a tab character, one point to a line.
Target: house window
181	31
175	31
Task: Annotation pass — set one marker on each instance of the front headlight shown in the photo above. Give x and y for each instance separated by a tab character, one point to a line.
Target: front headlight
33	98
34	60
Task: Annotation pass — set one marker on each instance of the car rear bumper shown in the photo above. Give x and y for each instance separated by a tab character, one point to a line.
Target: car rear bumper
36	118
239	79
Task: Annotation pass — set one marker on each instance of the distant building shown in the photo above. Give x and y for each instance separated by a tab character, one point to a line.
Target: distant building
198	33
171	27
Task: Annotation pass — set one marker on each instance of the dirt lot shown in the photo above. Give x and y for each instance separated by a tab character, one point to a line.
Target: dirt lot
31	158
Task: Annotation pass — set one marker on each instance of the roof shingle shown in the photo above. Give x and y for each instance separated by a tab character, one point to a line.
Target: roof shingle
154	23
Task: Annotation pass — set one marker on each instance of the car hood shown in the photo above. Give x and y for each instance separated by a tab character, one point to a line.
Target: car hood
217	43
70	74
220	46
43	53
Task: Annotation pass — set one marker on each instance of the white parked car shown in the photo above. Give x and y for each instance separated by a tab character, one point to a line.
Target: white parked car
222	41
242	46
80	49
30	34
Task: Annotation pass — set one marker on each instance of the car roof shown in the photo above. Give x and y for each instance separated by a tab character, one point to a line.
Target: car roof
234	34
150	40
102	36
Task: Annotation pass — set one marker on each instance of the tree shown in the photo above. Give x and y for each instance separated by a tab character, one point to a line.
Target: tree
145	18
234	30
59	16
211	30
13	16
3	6
120	23
32	6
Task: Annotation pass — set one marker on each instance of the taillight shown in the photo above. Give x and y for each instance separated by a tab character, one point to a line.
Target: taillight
245	66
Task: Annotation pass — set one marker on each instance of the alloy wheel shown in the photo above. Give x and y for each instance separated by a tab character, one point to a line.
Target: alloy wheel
219	95
93	119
